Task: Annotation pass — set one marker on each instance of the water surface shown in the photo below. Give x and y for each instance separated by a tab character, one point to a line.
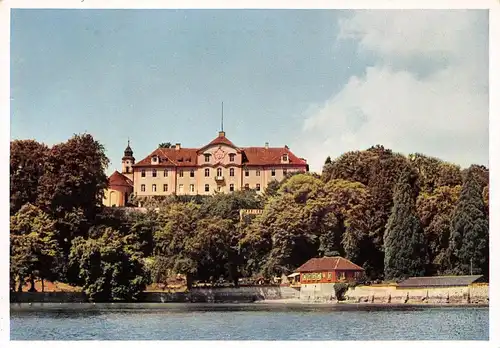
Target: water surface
245	322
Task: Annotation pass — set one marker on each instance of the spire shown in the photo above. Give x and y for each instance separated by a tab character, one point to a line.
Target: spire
222	133
222	119
128	150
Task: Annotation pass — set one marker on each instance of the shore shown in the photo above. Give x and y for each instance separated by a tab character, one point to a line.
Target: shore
296	301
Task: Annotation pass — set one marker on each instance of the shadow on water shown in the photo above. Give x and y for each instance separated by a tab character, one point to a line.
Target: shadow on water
93	309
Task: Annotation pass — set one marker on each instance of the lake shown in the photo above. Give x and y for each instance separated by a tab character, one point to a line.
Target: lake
246	322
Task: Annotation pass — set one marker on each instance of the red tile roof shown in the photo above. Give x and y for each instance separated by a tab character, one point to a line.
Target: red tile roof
271	155
258	156
328	264
221	139
183	157
119	180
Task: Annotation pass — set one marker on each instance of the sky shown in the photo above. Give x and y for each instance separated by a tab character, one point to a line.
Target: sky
323	82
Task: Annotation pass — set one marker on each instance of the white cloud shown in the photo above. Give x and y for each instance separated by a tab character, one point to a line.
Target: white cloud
426	92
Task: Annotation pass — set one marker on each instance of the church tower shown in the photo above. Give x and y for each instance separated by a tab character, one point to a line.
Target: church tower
127	161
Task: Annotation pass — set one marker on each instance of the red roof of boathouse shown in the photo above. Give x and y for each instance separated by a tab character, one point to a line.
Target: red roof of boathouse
337	263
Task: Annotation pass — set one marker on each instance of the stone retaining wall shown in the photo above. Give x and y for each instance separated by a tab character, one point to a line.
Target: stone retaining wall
457	294
48	297
240	294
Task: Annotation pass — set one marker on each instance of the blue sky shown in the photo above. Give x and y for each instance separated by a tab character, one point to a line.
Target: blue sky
322	82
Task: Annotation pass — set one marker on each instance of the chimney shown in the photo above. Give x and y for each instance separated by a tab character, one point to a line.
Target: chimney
266	145
222	134
178	146
286	147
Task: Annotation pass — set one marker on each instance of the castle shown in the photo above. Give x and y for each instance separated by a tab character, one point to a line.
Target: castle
219	166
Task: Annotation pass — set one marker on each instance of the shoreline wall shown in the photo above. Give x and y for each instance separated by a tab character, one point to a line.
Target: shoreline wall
376	294
197	295
476	293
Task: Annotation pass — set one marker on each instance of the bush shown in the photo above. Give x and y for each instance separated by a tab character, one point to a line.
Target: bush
340	290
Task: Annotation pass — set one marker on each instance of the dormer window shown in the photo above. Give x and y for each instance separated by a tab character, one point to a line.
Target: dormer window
207	157
231	157
155	160
285	157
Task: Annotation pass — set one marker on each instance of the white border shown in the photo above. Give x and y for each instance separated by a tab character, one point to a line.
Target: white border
494	6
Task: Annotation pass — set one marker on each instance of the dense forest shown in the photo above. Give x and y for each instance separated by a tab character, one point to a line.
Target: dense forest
396	216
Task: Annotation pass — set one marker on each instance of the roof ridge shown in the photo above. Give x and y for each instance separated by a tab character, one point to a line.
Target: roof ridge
336	265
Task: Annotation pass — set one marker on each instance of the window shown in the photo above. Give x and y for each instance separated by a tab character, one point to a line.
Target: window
257	172
231	172
247	172
153	188
165	187
154	173
231	157
207	188
143	173
181	188
165	173
231	187
285	158
127	170
284	172
341	275
247	186
181	173
143	188
273	172
257	187
219	171
191	173
191	188
219	188
154	159
207	172
329	276
207	158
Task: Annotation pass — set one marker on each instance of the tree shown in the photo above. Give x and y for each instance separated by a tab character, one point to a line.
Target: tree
173	242
469	230
27	158
107	270
215	243
34	251
435	210
405	254
328	160
227	206
72	186
289	225
165	145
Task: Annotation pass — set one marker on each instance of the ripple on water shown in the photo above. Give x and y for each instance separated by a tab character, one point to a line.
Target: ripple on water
245	322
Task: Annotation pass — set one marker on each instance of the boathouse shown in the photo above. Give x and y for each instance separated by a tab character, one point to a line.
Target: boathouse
318	275
440	282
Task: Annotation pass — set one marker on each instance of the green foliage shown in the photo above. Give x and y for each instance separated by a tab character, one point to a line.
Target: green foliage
367	206
74	177
435	210
340	290
34	251
405	254
108	271
227	206
468	249
166	145
27	158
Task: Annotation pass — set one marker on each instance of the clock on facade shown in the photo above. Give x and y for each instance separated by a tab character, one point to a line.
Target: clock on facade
219	154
